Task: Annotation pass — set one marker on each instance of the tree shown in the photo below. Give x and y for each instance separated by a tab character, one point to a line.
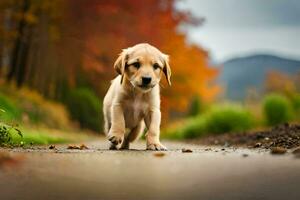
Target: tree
114	25
58	45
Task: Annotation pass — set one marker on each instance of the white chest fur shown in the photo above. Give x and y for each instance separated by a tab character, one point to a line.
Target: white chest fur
135	109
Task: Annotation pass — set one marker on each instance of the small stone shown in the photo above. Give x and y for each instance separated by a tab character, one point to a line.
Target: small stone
216	142
278	150
257	145
186	150
227	144
52	147
245	155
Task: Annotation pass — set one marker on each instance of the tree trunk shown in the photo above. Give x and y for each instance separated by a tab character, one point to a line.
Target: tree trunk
22	69
18	50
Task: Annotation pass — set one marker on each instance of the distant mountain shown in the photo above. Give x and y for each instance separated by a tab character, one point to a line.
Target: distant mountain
240	74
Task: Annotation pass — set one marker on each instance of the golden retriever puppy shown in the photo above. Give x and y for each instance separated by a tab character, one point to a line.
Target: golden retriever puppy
133	97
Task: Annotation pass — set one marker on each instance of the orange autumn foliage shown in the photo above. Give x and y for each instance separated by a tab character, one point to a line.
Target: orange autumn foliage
281	82
106	27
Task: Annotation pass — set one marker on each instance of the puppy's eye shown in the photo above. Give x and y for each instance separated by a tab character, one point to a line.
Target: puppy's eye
156	66
136	65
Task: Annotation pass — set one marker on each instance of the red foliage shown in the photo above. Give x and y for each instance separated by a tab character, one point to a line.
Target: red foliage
105	27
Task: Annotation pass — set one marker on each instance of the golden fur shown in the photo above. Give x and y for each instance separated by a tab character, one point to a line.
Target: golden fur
131	100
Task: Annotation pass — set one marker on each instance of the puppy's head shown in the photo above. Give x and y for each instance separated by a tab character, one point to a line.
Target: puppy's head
143	66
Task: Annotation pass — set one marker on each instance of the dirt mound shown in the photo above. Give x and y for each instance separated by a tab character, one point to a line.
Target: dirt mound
285	135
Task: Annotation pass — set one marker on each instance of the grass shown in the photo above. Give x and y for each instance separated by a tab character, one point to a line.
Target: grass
30	109
9	111
228	118
187	129
33	137
45	136
219	119
24	106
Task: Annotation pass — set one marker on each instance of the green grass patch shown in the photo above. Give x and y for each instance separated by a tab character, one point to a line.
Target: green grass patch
37	137
220	119
190	128
9	111
228	118
43	136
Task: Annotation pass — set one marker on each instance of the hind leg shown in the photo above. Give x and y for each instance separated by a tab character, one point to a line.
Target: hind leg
132	135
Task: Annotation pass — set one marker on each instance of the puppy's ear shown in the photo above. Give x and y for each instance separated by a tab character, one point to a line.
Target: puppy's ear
120	63
167	69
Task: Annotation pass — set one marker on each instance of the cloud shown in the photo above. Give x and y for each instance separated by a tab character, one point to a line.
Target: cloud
235	27
245	13
224	44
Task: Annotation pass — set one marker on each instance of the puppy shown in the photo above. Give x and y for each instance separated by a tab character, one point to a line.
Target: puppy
133	97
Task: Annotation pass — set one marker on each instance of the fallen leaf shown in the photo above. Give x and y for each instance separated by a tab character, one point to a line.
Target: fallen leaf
73	147
7	160
278	150
83	146
159	154
186	150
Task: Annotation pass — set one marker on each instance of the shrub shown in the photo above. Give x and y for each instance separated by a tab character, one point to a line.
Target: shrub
31	107
228	118
194	128
195	107
9	111
6	134
295	99
190	128
220	119
277	109
85	107
39	110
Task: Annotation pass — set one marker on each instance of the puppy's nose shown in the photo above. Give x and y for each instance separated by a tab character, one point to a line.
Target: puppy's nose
146	80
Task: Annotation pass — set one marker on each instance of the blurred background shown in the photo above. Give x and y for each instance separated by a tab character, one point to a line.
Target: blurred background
235	64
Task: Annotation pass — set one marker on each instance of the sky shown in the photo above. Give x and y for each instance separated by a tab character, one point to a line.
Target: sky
243	27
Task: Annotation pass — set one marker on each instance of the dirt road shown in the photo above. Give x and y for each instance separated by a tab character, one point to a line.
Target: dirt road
96	173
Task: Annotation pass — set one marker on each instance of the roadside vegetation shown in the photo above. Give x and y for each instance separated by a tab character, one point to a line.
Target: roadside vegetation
277	109
216	120
273	109
278	103
26	118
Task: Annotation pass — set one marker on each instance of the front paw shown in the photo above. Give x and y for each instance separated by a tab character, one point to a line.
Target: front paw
156	147
115	139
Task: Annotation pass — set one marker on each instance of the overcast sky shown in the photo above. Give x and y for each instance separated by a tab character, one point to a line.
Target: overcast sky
240	27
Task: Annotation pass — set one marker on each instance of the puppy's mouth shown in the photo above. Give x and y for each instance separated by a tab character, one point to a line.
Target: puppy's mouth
146	87
143	87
